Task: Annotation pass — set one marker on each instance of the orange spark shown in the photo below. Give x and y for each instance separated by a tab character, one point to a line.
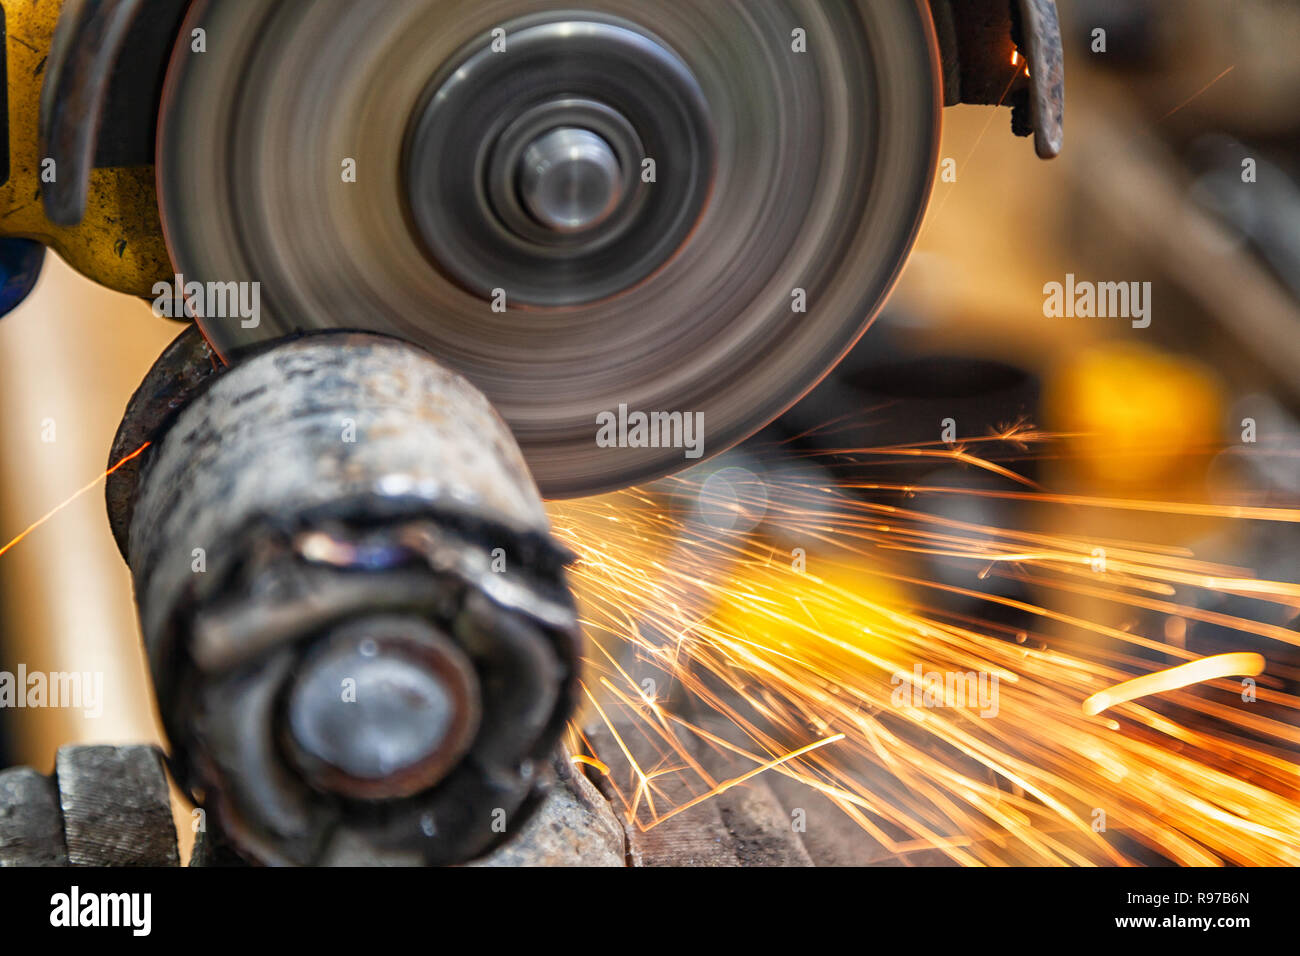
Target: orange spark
767	655
1236	664
598	765
736	781
1198	93
70	499
1189	508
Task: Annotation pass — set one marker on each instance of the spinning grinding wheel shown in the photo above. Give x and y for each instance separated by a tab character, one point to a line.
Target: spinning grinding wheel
575	208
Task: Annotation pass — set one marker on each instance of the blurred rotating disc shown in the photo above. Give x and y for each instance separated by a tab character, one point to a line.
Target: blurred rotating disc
500	152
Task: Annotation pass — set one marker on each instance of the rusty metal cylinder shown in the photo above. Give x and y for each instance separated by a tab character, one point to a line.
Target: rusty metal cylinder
358	625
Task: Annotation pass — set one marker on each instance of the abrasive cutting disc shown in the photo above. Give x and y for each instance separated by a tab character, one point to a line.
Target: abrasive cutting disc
690	207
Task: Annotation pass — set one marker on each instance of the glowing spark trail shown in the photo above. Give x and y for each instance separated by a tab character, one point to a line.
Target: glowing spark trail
736	781
1198	93
70	499
1240	663
753	654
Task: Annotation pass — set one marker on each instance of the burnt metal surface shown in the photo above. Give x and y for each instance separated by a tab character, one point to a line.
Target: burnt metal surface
341	510
184	368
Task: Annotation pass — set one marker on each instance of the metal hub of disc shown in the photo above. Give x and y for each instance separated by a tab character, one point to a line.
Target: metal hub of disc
524	166
621	204
570	179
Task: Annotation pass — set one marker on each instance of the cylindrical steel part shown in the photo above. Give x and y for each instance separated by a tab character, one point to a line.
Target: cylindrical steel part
358	625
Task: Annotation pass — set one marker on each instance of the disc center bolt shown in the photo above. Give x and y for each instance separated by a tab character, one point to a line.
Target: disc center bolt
570	179
528	176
